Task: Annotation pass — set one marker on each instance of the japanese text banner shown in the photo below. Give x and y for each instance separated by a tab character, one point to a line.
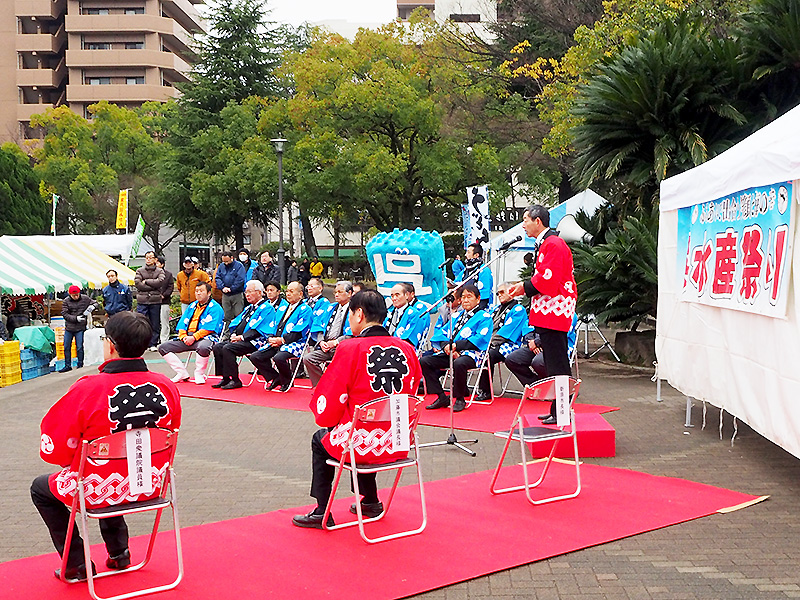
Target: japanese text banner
734	252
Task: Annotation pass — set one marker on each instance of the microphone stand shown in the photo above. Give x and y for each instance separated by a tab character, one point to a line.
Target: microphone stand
452	440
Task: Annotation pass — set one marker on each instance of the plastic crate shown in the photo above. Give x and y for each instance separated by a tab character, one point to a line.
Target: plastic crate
30	373
60	364
10	377
9	355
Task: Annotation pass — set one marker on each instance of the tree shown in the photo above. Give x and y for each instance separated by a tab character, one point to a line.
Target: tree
22	209
379	98
662	105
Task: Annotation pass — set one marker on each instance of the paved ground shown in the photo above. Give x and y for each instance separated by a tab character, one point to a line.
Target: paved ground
262	455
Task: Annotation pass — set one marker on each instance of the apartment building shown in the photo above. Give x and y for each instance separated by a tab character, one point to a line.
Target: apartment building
78	52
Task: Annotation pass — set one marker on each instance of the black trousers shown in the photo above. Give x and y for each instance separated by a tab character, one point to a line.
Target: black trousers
556	357
322	475
434	366
55	515
494	357
264	360
153	314
225	354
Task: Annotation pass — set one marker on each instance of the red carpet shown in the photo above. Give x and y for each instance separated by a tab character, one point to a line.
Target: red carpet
266	557
478	417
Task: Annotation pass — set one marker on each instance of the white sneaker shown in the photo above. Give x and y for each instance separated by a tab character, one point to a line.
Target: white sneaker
152	349
199	379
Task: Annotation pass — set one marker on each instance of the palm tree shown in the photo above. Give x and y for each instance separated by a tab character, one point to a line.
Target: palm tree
662	105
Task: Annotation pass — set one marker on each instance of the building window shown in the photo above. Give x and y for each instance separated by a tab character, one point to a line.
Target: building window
465	18
97	46
134	80
99	80
134	45
134	11
96	11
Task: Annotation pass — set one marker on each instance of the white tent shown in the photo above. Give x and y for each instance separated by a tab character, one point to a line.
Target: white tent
720	347
561	218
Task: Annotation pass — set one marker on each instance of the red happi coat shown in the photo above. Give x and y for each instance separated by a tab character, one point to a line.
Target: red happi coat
363	369
124	395
553	278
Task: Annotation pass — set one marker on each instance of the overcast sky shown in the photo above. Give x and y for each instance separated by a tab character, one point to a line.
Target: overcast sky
359	11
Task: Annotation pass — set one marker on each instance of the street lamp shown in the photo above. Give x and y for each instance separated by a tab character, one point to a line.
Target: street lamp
279	142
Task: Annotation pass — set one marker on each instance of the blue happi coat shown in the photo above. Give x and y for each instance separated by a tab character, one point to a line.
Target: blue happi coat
477	330
484	282
262	320
408	321
319	325
299	322
211	319
422	322
320	313
514	326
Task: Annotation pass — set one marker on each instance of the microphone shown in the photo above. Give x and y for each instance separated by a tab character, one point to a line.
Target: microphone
510	243
442	266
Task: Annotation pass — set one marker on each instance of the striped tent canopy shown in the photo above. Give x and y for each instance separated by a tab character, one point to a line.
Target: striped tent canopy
40	264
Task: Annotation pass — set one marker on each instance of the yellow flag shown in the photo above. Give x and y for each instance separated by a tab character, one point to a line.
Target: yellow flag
122	210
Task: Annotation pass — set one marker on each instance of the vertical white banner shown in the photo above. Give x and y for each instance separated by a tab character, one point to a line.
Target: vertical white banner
562	400
140	478
401	440
478	207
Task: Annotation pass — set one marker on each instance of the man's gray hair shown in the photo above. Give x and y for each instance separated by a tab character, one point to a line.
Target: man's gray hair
504	286
537	211
254	284
348	286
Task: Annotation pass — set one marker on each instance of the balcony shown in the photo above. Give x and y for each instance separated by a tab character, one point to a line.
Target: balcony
24	111
119	93
42	78
120	23
51	9
125	58
184	13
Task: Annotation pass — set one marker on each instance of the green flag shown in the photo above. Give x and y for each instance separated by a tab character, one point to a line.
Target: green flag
137	239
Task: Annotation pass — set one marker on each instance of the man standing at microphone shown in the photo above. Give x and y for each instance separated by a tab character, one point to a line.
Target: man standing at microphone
553	294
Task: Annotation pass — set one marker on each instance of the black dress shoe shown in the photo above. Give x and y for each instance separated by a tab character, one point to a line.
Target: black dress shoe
221	383
273	385
543	417
311	521
549	420
482	396
285	387
75	573
64	370
440	402
369	510
120	561
459	405
232	385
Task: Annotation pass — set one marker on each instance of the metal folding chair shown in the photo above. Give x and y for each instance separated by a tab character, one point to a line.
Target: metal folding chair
544	389
298	365
379	410
114	447
484	365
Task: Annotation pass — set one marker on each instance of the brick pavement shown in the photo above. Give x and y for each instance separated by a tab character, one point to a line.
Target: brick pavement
236	460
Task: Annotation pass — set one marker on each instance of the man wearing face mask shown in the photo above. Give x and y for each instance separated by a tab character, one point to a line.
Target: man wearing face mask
249	265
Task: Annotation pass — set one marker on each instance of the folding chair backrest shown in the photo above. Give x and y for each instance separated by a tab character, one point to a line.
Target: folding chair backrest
381	409
114	446
545	389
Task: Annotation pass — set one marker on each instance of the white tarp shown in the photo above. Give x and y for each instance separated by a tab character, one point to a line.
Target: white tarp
508	268
741	362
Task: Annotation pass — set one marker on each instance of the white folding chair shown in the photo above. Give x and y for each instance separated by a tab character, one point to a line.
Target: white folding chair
544	389
114	447
192	354
379	410
484	365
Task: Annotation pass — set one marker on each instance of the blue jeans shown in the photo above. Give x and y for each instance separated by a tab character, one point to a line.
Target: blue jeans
68	335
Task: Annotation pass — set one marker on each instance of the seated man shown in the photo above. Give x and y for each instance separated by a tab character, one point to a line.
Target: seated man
272	289
367	367
334	330
315	298
509	324
422	318
198	330
249	332
124	395
290	325
527	363
472	327
401	318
